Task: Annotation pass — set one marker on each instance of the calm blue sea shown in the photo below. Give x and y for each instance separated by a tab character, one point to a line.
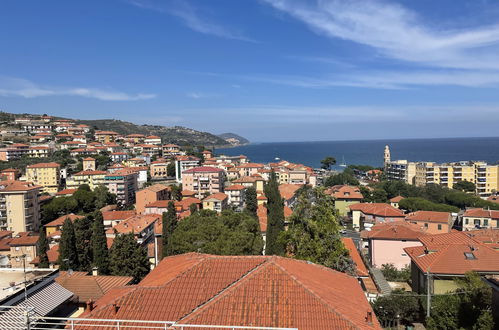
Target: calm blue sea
371	152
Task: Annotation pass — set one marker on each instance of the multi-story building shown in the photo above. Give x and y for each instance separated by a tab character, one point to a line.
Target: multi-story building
123	184
106	136
433	222
236	194
480	218
39	151
153	139
184	163
19	206
159	169
14	152
401	170
46	175
118	157
91	178
151	194
203	180
216	202
170	150
23	249
344	196
10	174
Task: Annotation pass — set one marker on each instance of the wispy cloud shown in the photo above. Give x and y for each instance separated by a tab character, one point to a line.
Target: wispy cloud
191	18
198	95
397	32
24	88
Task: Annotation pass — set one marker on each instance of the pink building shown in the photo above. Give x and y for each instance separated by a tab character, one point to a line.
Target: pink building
203	180
386	243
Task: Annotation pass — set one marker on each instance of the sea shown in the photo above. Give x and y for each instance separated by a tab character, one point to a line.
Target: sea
370	152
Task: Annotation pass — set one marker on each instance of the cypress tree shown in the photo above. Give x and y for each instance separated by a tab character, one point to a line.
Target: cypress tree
169	223
251	201
83	235
128	258
100	252
275	217
43	247
193	208
68	257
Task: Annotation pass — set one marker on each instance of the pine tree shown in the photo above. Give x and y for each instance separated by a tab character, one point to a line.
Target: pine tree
275	218
128	258
68	257
251	201
83	235
43	247
169	223
100	252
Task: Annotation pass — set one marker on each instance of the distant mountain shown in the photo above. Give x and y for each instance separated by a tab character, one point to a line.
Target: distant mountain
234	139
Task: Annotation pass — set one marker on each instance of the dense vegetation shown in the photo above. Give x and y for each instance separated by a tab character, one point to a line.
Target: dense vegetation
229	233
393	274
275	217
313	232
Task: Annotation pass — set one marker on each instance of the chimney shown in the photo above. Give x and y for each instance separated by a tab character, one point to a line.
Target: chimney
90	306
369	317
95	271
116	308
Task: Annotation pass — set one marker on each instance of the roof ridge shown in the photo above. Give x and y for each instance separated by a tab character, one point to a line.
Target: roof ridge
313	293
218	295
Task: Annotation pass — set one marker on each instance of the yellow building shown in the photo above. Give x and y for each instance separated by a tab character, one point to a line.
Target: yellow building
91	178
19	206
401	170
46	175
484	176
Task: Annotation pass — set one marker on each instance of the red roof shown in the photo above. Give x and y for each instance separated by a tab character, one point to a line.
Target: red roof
481	213
378	209
396	199
66	192
288	190
429	216
44	165
345	192
217	196
261	213
24	239
207	169
235	187
59	221
398	230
261	291
354	254
117	215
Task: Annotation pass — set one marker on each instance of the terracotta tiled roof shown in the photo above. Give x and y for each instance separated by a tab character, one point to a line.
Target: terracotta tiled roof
24	239
251	165
288	190
7	186
361	268
455	258
481	213
52	254
489	236
344	192
89	159
235	187
245	179
396	199
90	173
157	187
493	198
88	287
118	215
454	237
430	216
66	192
261	213
217	196
378	209
207	169
59	221
186	202
4	243
287	212
242	291
398	230
135	224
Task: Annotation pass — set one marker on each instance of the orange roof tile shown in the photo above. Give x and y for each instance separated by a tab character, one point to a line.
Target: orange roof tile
430	216
354	254
396	199
287	191
378	209
398	230
135	224
59	221
44	165
117	215
217	196
481	213
344	192
24	238
235	187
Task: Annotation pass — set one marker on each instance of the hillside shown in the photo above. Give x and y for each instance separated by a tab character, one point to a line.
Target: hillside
234	139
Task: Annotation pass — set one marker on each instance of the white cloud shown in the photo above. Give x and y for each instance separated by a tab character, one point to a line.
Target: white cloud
397	32
27	89
198	95
189	15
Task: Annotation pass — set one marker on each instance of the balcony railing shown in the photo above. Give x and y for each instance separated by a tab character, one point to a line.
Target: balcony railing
17	318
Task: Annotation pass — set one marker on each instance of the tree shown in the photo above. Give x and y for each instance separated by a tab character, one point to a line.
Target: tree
275	217
250	200
229	233
176	191
68	257
170	169
193	208
100	252
169	225
43	247
103	197
313	232
400	305
466	186
340	179
85	198
83	235
413	204
393	274
128	258
328	162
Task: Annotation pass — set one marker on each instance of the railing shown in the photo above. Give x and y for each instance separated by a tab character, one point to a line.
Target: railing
18	317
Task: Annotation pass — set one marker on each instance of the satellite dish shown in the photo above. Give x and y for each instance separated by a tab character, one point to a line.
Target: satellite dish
4	261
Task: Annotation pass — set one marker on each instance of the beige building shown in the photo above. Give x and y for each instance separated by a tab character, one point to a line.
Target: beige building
123	184
401	170
46	175
159	169
203	180
91	178
216	202
23	249
19	206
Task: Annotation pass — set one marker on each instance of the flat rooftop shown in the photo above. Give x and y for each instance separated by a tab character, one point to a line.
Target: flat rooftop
11	279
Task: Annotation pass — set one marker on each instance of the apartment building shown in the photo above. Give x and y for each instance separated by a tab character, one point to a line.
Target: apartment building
401	170
184	163
46	175
170	150
10	174
152	139
91	178
203	180
39	151
23	249
216	202
19	206
151	194
123	184
159	169
106	136
14	152
432	222
484	176
236	194
480	218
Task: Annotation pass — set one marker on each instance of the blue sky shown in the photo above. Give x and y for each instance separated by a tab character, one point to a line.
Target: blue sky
270	70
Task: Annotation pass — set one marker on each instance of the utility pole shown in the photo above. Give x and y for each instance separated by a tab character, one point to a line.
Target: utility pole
428	294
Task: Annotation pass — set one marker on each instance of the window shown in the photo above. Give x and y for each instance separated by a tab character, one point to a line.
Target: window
439	227
485	222
426	225
466	221
469	256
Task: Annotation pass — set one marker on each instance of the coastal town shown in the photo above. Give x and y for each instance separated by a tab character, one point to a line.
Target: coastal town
97	225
